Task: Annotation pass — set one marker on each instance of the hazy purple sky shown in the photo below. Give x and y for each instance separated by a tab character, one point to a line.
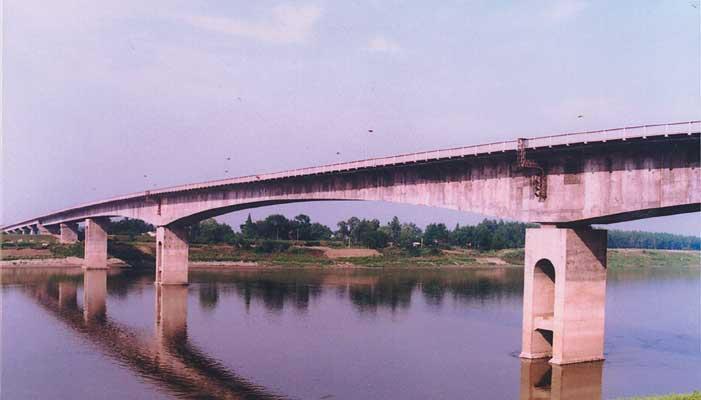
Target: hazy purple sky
97	94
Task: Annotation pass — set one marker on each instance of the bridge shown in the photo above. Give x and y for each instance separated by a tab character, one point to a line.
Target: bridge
564	182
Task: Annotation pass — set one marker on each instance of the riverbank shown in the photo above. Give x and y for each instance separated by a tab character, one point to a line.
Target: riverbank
696	395
67	262
46	252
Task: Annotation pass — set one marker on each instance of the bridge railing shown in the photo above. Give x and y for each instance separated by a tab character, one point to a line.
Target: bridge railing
630	132
544	141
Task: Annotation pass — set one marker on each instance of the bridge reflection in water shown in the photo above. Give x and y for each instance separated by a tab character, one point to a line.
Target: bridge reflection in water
542	380
168	359
171	361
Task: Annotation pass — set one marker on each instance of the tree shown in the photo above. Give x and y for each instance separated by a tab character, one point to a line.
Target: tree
301	227
248	228
275	227
409	234
318	231
128	226
376	239
395	229
436	235
210	231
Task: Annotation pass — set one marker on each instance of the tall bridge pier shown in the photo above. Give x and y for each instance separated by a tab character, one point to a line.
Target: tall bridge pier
95	244
172	251
564	296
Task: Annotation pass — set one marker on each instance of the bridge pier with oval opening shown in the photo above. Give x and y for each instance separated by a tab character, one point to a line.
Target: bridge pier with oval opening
564	294
171	255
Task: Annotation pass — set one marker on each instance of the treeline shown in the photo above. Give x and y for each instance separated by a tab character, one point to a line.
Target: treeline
650	240
487	235
128	226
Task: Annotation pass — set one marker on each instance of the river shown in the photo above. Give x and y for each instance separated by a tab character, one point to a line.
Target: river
330	334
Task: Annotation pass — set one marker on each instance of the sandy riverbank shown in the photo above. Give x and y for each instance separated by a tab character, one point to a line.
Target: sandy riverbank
68	262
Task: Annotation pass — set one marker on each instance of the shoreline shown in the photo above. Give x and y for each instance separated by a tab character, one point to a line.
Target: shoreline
617	259
74	262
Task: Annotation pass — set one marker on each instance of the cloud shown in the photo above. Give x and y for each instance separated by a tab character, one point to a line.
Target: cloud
287	24
565	9
382	44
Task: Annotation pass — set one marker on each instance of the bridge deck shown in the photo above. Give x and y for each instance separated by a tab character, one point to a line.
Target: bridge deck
566	139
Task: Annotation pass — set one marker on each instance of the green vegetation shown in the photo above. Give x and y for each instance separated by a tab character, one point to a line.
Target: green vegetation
426	257
278	227
14	247
270	253
696	395
67	250
650	240
15	241
300	241
652	258
129	227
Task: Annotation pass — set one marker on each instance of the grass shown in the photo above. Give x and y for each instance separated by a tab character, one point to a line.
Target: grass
632	258
293	256
400	258
140	251
696	395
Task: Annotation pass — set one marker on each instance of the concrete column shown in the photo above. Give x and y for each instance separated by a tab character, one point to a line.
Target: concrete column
171	255
94	294
69	233
171	313
95	244
540	380
564	294
67	294
52	230
26	231
33	230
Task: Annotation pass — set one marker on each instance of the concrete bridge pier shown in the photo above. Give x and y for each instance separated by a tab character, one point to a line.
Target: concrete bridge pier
171	255
94	294
564	294
68	233
44	230
26	231
95	244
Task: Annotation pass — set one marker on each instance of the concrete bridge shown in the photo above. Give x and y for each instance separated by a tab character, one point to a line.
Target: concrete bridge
564	182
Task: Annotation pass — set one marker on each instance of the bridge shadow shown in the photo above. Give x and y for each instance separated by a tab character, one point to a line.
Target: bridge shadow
168	359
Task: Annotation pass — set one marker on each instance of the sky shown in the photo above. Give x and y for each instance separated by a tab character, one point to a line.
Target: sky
113	97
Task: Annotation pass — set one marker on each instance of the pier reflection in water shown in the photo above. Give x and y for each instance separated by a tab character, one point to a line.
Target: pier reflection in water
167	359
540	380
336	334
94	295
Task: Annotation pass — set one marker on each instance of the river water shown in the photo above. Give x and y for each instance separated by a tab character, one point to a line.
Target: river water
330	334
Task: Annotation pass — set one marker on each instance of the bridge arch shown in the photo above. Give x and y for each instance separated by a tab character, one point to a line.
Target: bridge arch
544	277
